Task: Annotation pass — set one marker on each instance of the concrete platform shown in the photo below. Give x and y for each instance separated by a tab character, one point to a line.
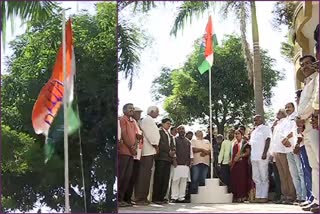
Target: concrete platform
214	208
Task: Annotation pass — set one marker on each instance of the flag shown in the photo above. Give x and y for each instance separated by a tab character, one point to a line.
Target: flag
47	113
207	48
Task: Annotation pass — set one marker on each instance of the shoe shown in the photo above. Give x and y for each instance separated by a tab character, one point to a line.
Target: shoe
308	208
306	203
288	202
263	200
158	202
173	201
180	201
143	203
279	201
315	210
124	204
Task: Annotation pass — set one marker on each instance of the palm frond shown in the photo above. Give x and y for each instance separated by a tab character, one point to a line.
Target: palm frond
26	11
187	11
129	45
241	10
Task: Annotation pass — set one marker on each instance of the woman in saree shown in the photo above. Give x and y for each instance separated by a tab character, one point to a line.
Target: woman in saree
240	177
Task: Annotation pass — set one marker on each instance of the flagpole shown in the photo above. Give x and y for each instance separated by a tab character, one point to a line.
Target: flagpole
65	116
210	121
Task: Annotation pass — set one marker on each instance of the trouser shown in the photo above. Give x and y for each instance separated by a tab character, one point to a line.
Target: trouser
124	172
161	180
198	177
287	187
141	190
307	172
311	142
277	181
225	175
295	168
260	177
132	181
178	189
170	182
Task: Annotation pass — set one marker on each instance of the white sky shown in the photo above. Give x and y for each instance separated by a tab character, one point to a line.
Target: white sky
169	51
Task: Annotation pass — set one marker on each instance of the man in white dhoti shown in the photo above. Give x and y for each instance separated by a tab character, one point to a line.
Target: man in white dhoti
260	142
181	173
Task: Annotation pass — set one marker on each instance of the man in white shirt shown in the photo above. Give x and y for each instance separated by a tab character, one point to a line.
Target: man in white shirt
151	138
305	110
289	139
260	142
280	154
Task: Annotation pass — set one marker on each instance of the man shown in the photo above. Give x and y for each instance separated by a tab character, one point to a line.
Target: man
305	110
280	116
126	151
163	162
214	147
260	142
139	143
201	149
224	159
173	134
151	138
181	171
295	166
189	135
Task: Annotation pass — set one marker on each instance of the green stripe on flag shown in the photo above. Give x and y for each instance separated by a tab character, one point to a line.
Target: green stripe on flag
56	131
205	65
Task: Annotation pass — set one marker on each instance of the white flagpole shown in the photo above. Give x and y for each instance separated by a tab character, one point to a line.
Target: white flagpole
65	116
210	121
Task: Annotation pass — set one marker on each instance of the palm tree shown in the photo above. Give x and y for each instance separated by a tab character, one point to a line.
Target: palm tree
257	74
26	11
241	9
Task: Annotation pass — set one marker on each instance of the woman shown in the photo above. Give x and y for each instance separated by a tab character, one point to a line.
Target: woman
240	178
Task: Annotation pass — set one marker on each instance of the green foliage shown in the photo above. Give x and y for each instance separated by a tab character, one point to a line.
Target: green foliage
187	11
283	12
26	11
287	50
29	68
186	91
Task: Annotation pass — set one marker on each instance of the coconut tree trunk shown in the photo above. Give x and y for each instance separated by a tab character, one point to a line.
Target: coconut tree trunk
257	72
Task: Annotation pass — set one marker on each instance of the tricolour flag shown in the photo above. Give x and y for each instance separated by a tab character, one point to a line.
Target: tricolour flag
47	114
209	41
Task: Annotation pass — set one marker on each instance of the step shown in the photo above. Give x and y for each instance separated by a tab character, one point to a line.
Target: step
212	199
212	182
216	190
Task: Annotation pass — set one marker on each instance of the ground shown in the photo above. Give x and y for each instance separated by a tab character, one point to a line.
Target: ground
214	208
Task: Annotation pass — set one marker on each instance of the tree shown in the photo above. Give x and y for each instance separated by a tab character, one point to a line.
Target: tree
283	15
131	41
232	94
257	72
283	12
189	10
29	68
26	11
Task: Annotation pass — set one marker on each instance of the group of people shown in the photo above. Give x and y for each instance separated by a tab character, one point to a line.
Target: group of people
161	162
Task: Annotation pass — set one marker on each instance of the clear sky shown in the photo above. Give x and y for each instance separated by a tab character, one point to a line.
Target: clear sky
169	51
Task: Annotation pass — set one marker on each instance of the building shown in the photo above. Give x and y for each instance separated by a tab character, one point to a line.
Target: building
305	20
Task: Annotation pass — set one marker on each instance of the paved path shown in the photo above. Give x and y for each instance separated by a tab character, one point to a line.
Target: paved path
214	208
